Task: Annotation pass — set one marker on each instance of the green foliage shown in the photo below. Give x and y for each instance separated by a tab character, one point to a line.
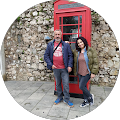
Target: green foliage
23	52
41	59
47	27
18	19
50	76
95	19
43	10
47	19
38	13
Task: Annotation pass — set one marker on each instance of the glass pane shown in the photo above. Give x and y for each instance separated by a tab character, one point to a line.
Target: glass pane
70	38
74	36
70	29
81	19
80	35
73	80
60	28
72	46
80	29
70	20
59	20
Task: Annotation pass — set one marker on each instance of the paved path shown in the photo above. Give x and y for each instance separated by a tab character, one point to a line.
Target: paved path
38	98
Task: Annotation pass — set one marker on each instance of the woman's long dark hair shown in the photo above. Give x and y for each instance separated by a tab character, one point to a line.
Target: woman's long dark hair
84	41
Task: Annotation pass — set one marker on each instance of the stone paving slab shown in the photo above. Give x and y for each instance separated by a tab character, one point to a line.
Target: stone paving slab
38	98
41	111
59	111
29	104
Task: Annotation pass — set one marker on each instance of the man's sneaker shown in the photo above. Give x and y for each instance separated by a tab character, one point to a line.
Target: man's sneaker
57	101
84	104
70	104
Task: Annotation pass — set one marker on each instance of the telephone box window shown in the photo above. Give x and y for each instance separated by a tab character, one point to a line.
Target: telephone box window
73	80
70	29
81	19
80	29
60	20
73	48
80	35
70	38
60	28
70	20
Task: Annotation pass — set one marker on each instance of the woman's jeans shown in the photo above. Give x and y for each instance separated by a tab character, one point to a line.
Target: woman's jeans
62	74
82	85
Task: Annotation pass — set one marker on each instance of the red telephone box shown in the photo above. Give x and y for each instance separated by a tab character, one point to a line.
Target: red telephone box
74	20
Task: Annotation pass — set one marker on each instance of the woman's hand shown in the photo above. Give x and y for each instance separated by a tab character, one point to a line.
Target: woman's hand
92	75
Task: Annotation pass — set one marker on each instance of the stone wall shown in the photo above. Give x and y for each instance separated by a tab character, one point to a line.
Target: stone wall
25	46
104	41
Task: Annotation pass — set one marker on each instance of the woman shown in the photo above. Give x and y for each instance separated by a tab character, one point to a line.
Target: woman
86	66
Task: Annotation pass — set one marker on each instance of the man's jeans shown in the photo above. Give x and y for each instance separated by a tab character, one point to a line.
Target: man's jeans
62	74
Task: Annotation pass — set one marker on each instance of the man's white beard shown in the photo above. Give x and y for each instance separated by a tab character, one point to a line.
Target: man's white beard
58	40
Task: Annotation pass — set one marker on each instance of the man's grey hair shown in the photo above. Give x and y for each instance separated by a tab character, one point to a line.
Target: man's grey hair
58	30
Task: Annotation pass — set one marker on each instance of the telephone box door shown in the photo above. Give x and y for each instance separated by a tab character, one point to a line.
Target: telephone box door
73	22
72	26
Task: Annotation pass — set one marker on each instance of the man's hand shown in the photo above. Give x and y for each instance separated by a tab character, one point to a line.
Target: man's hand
53	67
69	69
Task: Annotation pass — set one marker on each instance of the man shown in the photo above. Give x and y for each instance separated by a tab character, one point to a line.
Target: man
61	62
